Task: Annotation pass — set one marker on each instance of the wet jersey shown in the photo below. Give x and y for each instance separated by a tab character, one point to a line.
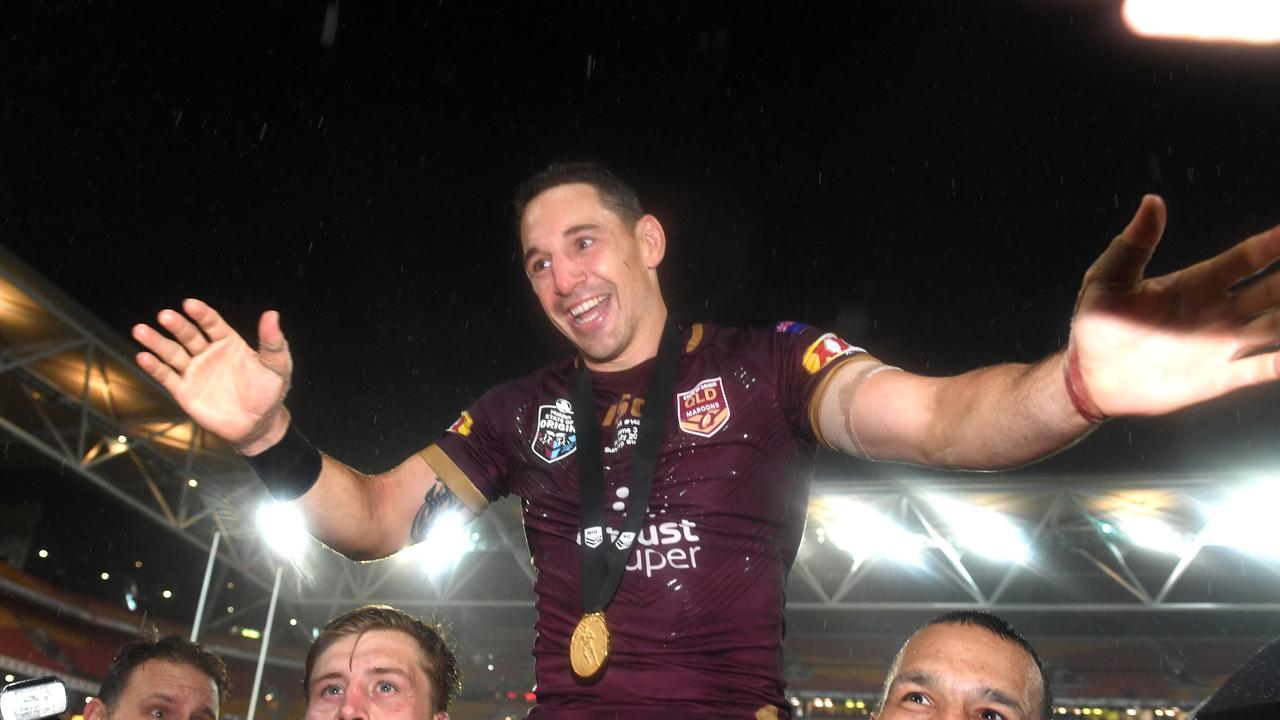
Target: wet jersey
696	622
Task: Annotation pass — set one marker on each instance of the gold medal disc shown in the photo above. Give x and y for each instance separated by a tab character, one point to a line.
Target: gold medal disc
589	647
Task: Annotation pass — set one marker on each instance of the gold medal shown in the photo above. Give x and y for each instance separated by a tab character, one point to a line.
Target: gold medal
589	647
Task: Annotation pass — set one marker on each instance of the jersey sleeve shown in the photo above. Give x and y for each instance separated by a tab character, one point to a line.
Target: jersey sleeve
807	358
470	457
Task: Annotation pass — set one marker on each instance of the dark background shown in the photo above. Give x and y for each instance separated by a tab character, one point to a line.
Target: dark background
931	179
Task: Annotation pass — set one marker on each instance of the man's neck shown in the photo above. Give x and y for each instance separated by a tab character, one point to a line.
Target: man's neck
643	346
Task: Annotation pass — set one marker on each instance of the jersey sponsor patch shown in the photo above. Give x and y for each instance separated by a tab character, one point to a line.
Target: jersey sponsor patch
703	410
824	350
555	437
462	425
790	326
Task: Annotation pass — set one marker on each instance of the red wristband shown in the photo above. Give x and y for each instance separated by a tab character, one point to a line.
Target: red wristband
1077	391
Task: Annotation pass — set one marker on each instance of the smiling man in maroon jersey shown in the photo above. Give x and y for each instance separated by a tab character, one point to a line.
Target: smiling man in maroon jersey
695	626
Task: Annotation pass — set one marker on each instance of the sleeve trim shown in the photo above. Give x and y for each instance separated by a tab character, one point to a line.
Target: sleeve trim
815	399
454	478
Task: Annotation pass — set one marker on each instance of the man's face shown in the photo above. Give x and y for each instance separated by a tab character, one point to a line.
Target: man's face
375	676
594	276
161	690
962	672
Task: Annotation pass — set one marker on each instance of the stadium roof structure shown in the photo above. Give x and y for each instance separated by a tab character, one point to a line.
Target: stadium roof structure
1098	554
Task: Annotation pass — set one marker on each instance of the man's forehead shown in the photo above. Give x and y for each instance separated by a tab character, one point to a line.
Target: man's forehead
380	648
169	678
969	655
556	209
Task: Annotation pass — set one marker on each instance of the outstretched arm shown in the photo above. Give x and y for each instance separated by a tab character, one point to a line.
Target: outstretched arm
238	394
1139	346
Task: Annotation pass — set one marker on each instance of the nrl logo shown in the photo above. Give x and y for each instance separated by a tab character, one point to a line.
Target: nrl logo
625	540
554	437
593	536
704	409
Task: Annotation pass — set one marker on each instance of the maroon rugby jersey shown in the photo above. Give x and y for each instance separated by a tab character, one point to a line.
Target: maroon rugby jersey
697	620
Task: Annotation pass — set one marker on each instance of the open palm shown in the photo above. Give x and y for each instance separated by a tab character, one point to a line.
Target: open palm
1152	345
227	387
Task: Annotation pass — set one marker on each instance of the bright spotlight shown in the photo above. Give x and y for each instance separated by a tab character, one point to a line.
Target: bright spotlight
1247	21
445	544
863	533
282	528
1246	521
982	530
1148	532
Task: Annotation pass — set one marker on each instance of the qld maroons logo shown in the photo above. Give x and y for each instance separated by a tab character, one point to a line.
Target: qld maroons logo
555	437
703	410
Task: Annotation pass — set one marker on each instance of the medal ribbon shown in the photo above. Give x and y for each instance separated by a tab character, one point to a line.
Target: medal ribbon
603	565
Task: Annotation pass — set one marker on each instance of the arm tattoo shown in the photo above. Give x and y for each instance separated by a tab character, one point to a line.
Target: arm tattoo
438	496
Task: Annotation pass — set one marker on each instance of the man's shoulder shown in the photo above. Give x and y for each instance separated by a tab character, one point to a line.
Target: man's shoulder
709	335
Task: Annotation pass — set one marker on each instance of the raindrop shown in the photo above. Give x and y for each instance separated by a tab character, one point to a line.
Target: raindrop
329	32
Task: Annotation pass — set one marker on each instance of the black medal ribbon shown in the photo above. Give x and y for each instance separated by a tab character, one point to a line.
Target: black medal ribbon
603	565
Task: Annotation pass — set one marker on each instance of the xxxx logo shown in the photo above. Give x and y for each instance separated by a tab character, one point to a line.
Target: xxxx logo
704	409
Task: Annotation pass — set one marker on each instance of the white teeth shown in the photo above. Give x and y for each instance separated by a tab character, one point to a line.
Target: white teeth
581	308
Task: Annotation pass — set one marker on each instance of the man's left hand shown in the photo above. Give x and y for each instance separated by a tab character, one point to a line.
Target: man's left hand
1147	346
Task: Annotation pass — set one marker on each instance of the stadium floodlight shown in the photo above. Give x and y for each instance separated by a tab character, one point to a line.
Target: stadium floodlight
865	533
1243	21
1153	534
282	528
446	543
1246	521
982	530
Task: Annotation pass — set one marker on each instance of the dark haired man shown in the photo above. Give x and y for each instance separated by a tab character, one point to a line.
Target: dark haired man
966	664
662	561
161	678
380	663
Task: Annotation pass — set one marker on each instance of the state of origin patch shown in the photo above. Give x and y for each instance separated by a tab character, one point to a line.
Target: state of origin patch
555	437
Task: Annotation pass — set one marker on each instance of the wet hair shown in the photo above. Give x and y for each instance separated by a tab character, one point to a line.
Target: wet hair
996	626
168	648
438	659
614	194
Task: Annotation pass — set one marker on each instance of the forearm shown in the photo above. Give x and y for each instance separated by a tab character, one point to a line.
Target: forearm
1002	416
988	419
353	513
345	510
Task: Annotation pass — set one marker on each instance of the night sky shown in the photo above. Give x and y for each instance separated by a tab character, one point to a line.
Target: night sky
930	179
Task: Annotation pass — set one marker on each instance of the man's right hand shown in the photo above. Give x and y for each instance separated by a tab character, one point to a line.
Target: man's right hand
228	388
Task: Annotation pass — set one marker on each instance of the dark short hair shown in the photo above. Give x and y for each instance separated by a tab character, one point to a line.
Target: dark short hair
439	662
167	648
997	626
615	194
